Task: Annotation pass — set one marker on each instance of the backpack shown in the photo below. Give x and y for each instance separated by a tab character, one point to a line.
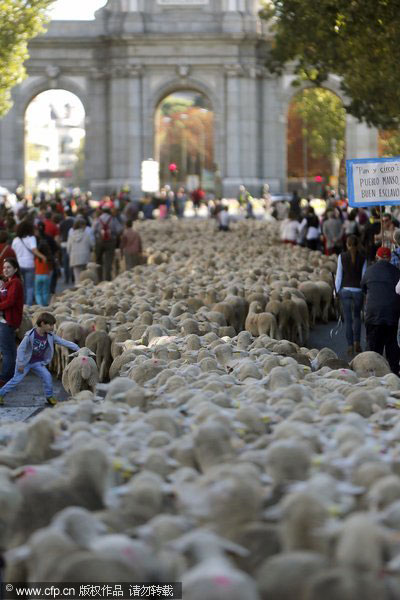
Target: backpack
105	231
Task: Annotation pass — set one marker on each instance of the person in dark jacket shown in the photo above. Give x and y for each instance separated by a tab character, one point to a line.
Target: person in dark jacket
382	307
11	307
351	267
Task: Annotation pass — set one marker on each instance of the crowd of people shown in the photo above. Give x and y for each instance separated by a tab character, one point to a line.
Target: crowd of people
368	248
329	231
58	235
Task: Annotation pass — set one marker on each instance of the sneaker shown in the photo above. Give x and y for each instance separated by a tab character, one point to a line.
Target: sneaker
51	400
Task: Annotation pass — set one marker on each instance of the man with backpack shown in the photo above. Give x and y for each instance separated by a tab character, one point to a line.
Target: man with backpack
106	230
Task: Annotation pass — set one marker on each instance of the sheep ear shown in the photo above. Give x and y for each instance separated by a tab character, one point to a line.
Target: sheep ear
274	513
394	565
198	536
87	352
347	488
21	553
331	529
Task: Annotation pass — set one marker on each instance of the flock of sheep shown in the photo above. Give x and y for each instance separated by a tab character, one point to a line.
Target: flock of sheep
225	453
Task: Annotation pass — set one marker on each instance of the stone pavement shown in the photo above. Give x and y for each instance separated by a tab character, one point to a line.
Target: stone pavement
329	335
28	399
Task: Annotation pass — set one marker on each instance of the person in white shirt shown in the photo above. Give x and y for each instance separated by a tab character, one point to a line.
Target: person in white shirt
290	229
24	246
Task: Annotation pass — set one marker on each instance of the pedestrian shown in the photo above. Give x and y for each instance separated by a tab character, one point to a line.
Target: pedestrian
79	248
332	230
106	229
65	226
395	259
131	246
310	229
11	307
180	202
198	195
350	225
50	225
249	207
46	242
43	273
382	310
5	249
295	207
389	225
25	248
290	229
223	218
34	353
351	267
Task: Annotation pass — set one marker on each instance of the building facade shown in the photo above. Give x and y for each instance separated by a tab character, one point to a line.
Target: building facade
122	64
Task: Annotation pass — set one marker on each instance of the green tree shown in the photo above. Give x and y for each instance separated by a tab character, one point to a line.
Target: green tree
357	40
323	121
21	20
389	142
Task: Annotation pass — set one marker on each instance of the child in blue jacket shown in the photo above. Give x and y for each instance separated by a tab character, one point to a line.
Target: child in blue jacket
34	354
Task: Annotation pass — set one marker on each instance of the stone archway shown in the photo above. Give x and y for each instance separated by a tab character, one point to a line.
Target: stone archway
54	141
361	140
184	135
13	125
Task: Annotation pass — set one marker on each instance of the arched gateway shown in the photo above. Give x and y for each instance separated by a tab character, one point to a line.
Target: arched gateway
122	64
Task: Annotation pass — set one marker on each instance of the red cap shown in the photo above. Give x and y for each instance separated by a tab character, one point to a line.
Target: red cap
383	252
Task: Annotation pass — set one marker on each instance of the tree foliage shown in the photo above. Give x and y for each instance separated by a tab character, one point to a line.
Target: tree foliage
389	142
21	20
357	40
323	121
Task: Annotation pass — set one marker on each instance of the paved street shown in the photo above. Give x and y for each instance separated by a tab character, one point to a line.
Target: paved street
28	399
332	336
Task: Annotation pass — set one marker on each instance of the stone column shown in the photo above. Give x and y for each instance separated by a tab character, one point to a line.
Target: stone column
10	161
274	125
233	167
361	140
125	122
96	142
250	135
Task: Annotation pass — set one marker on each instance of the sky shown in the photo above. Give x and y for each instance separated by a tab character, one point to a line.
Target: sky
75	9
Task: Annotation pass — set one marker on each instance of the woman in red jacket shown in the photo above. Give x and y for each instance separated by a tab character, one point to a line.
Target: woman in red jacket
11	308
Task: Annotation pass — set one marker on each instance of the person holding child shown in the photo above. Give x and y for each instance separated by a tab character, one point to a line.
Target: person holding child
34	353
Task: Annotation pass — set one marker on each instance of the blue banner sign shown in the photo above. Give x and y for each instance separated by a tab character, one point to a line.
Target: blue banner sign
373	181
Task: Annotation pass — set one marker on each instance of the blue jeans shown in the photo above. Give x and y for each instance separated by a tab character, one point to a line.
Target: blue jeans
40	370
8	350
42	289
352	304
29	285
